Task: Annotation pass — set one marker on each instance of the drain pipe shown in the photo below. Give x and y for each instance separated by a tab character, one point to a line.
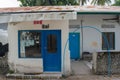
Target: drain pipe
81	35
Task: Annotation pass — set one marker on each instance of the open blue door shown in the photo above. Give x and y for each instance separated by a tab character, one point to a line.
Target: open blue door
74	45
51	49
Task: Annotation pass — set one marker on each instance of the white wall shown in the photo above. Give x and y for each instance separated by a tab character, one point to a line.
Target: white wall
35	65
92	39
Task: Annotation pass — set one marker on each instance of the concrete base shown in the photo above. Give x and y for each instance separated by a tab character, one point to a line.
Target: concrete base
35	76
80	68
100	62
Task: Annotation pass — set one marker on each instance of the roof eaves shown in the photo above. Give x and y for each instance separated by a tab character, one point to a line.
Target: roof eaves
35	12
99	12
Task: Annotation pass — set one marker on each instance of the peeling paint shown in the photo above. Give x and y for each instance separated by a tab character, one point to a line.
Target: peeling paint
20	68
15	23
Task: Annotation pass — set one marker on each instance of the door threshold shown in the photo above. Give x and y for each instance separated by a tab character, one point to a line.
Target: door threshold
52	72
51	75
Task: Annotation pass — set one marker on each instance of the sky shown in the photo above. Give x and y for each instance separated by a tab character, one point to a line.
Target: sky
12	3
8	3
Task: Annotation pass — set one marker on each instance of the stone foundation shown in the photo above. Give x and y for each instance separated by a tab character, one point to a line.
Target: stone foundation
100	62
4	65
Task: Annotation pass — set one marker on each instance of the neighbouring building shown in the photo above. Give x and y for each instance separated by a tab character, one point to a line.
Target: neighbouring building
4	34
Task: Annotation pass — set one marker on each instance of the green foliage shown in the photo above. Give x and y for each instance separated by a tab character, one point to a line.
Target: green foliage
82	2
11	71
64	2
32	2
73	2
101	2
47	2
117	3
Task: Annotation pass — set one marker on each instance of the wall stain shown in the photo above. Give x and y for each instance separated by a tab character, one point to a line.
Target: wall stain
15	23
94	44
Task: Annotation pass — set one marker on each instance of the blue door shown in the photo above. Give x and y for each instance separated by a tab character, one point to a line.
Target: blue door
74	45
51	49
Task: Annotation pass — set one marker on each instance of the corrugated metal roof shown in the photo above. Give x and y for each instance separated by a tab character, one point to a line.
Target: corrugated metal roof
62	8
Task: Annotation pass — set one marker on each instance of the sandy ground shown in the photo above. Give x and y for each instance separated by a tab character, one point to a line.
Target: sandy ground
81	71
80	68
77	77
93	77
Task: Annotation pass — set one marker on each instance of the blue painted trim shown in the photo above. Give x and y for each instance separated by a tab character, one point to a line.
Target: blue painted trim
18	44
60	51
42	49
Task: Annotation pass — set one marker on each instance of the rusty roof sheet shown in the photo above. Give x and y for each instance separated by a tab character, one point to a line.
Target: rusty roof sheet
62	8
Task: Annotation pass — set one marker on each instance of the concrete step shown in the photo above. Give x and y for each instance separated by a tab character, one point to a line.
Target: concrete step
35	76
89	64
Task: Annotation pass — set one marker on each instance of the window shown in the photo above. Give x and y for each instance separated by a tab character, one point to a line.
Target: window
110	37
52	43
29	44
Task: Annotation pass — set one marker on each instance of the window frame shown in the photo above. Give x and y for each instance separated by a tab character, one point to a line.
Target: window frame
50	41
19	49
104	46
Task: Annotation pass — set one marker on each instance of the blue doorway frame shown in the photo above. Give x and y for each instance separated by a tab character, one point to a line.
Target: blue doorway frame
74	45
51	49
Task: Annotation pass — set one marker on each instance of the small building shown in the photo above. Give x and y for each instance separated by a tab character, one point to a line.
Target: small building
42	39
38	38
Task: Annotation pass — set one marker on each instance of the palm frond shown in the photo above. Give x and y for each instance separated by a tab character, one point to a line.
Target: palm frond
100	2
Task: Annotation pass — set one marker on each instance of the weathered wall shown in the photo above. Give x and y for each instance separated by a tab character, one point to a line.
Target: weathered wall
29	65
92	39
4	64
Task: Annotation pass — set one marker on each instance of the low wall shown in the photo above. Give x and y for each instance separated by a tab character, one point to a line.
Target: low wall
100	62
4	65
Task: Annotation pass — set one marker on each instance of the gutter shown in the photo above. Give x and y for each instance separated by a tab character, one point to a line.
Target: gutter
36	12
108	13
